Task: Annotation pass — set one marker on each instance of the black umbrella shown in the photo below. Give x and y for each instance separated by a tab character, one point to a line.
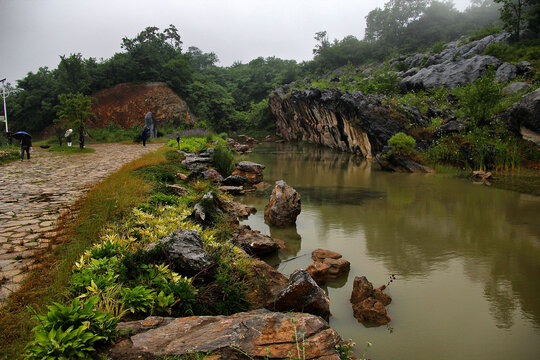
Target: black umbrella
20	134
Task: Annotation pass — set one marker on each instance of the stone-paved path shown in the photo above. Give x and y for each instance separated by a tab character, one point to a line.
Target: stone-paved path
34	194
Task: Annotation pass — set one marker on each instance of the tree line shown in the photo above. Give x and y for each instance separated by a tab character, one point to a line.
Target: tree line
235	98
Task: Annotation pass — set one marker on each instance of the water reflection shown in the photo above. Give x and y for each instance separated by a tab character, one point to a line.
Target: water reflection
416	226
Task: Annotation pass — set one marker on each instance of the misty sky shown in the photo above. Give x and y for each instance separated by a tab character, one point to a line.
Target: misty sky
36	32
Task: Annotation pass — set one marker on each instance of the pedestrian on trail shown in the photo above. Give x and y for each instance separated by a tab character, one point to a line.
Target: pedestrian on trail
81	139
26	145
69	140
144	135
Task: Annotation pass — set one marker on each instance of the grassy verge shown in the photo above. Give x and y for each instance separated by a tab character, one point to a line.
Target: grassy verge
71	149
47	282
9	153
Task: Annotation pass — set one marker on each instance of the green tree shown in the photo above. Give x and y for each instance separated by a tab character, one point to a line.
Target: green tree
72	75
513	14
76	109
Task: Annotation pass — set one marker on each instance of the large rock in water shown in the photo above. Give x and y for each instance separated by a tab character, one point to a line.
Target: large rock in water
284	205
349	122
184	249
368	304
250	170
257	333
524	116
253	242
303	294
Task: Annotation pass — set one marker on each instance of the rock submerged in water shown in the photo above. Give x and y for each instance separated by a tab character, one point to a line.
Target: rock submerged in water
258	333
253	242
303	294
250	170
368	304
284	206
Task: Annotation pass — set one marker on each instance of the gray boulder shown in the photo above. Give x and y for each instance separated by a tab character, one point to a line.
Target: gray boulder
234	180
450	75
506	72
304	295
524	116
525	68
184	249
451	127
516	87
253	242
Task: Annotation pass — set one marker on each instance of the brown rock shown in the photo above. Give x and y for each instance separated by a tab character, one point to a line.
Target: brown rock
177	189
253	242
369	305
181	176
319	272
258	333
268	285
241	148
303	294
237	209
338	267
320	254
233	190
252	171
261	186
284	205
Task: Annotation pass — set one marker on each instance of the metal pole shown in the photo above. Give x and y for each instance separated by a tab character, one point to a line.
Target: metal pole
4	98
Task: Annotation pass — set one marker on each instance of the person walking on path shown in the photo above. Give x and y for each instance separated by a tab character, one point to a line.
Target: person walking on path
144	135
26	145
81	139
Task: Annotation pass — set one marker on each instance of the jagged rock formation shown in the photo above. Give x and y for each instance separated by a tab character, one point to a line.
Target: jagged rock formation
348	122
284	206
127	104
524	117
253	334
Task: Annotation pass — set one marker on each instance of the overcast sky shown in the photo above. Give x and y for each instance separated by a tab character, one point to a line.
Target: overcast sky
35	33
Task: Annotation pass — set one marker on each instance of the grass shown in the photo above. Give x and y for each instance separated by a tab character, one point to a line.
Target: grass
47	282
9	153
71	149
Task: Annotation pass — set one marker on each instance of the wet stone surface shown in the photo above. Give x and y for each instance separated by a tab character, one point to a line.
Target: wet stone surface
35	193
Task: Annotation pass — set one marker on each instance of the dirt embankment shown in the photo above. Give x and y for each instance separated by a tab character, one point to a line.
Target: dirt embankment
127	104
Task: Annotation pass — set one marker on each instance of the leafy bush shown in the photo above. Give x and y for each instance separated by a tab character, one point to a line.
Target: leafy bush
224	161
71	332
402	144
185	293
160	198
138	299
482	33
164	303
479	98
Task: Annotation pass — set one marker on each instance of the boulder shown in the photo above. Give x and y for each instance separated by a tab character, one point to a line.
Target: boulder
450	127
319	272
254	334
261	186
205	210
241	148
318	255
212	175
237	209
234	180
181	176
284	205
250	170
263	293
520	86
177	189
368	304
253	242
233	190
524	116
337	267
303	294
184	250
525	68
244	139
450	75
506	72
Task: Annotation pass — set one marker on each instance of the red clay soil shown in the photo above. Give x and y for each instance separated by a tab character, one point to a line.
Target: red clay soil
127	104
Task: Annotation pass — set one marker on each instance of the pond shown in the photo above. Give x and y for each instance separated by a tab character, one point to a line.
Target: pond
466	257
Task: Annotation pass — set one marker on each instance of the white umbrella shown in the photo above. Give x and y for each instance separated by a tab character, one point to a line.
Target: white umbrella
68	132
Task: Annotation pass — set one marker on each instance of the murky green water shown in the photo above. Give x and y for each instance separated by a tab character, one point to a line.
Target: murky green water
466	257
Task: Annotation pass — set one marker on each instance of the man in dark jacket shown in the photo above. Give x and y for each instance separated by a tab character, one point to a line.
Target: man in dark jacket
26	145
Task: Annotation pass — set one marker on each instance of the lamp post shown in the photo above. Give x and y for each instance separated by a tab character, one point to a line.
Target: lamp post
3	81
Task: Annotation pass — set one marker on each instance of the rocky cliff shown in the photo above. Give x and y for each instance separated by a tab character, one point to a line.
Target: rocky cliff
127	104
349	122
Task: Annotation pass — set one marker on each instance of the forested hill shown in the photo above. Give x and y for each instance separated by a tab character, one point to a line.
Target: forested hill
236	97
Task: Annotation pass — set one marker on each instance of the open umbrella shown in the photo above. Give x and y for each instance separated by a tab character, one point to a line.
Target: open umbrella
20	134
68	132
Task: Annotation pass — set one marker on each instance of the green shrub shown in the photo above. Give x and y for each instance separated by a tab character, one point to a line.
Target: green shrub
224	161
70	332
402	144
138	299
160	198
446	150
479	98
185	292
164	303
482	33
438	47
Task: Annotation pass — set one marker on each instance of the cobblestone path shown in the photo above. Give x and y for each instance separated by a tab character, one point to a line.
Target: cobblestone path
34	193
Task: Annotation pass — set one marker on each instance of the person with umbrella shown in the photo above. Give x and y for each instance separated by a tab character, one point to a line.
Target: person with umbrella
68	137
25	139
144	135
